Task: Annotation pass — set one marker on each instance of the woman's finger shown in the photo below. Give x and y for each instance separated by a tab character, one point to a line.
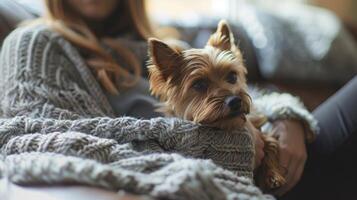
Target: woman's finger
295	171
286	165
298	172
285	160
291	173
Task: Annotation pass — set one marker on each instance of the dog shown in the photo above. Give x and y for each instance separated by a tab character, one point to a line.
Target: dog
208	86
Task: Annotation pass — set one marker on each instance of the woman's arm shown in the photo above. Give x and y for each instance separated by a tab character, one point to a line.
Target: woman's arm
293	125
40	80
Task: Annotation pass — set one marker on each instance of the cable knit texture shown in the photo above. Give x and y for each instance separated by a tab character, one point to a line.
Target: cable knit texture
57	127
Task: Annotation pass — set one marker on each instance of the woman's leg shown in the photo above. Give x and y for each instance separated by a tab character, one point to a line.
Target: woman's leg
337	119
331	168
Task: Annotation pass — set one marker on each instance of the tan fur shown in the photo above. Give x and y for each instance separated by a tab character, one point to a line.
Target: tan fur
174	78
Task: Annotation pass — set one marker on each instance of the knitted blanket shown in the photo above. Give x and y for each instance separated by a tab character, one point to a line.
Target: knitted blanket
57	127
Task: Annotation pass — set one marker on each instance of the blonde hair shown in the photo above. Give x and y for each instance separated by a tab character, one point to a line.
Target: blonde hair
61	18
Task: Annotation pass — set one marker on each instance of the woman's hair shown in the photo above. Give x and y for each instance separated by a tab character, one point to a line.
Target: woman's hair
63	19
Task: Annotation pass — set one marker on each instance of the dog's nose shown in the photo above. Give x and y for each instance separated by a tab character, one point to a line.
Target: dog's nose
233	102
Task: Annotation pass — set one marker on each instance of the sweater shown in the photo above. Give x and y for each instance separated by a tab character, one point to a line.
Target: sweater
57	127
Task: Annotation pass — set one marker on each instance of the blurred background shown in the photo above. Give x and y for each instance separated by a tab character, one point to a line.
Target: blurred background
345	9
305	47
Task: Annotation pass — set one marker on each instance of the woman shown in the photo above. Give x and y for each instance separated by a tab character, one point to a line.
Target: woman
82	63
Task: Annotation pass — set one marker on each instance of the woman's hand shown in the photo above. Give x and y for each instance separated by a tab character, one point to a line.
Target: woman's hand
259	144
293	154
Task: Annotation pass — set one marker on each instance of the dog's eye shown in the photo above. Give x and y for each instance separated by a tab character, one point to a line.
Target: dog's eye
231	78
200	85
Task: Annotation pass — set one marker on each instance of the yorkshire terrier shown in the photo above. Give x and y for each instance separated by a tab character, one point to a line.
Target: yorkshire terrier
208	86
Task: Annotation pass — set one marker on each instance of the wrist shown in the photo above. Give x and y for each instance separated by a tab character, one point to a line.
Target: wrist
292	124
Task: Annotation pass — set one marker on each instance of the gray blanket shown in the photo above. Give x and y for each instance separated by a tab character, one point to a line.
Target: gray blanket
57	127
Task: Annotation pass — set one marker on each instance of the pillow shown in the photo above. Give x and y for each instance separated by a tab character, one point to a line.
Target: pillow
300	43
11	13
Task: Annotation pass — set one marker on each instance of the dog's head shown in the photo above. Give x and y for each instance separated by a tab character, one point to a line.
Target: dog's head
207	86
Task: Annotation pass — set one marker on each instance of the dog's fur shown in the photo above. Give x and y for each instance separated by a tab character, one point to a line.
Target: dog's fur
208	86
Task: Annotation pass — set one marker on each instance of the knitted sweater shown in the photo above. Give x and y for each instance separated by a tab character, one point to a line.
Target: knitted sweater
57	127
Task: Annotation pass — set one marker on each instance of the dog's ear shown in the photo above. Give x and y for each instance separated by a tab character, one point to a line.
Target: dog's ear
165	58
223	37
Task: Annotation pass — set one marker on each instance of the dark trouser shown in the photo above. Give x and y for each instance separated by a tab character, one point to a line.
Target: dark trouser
331	168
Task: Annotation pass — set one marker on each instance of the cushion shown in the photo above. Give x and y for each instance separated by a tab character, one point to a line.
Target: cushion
11	14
